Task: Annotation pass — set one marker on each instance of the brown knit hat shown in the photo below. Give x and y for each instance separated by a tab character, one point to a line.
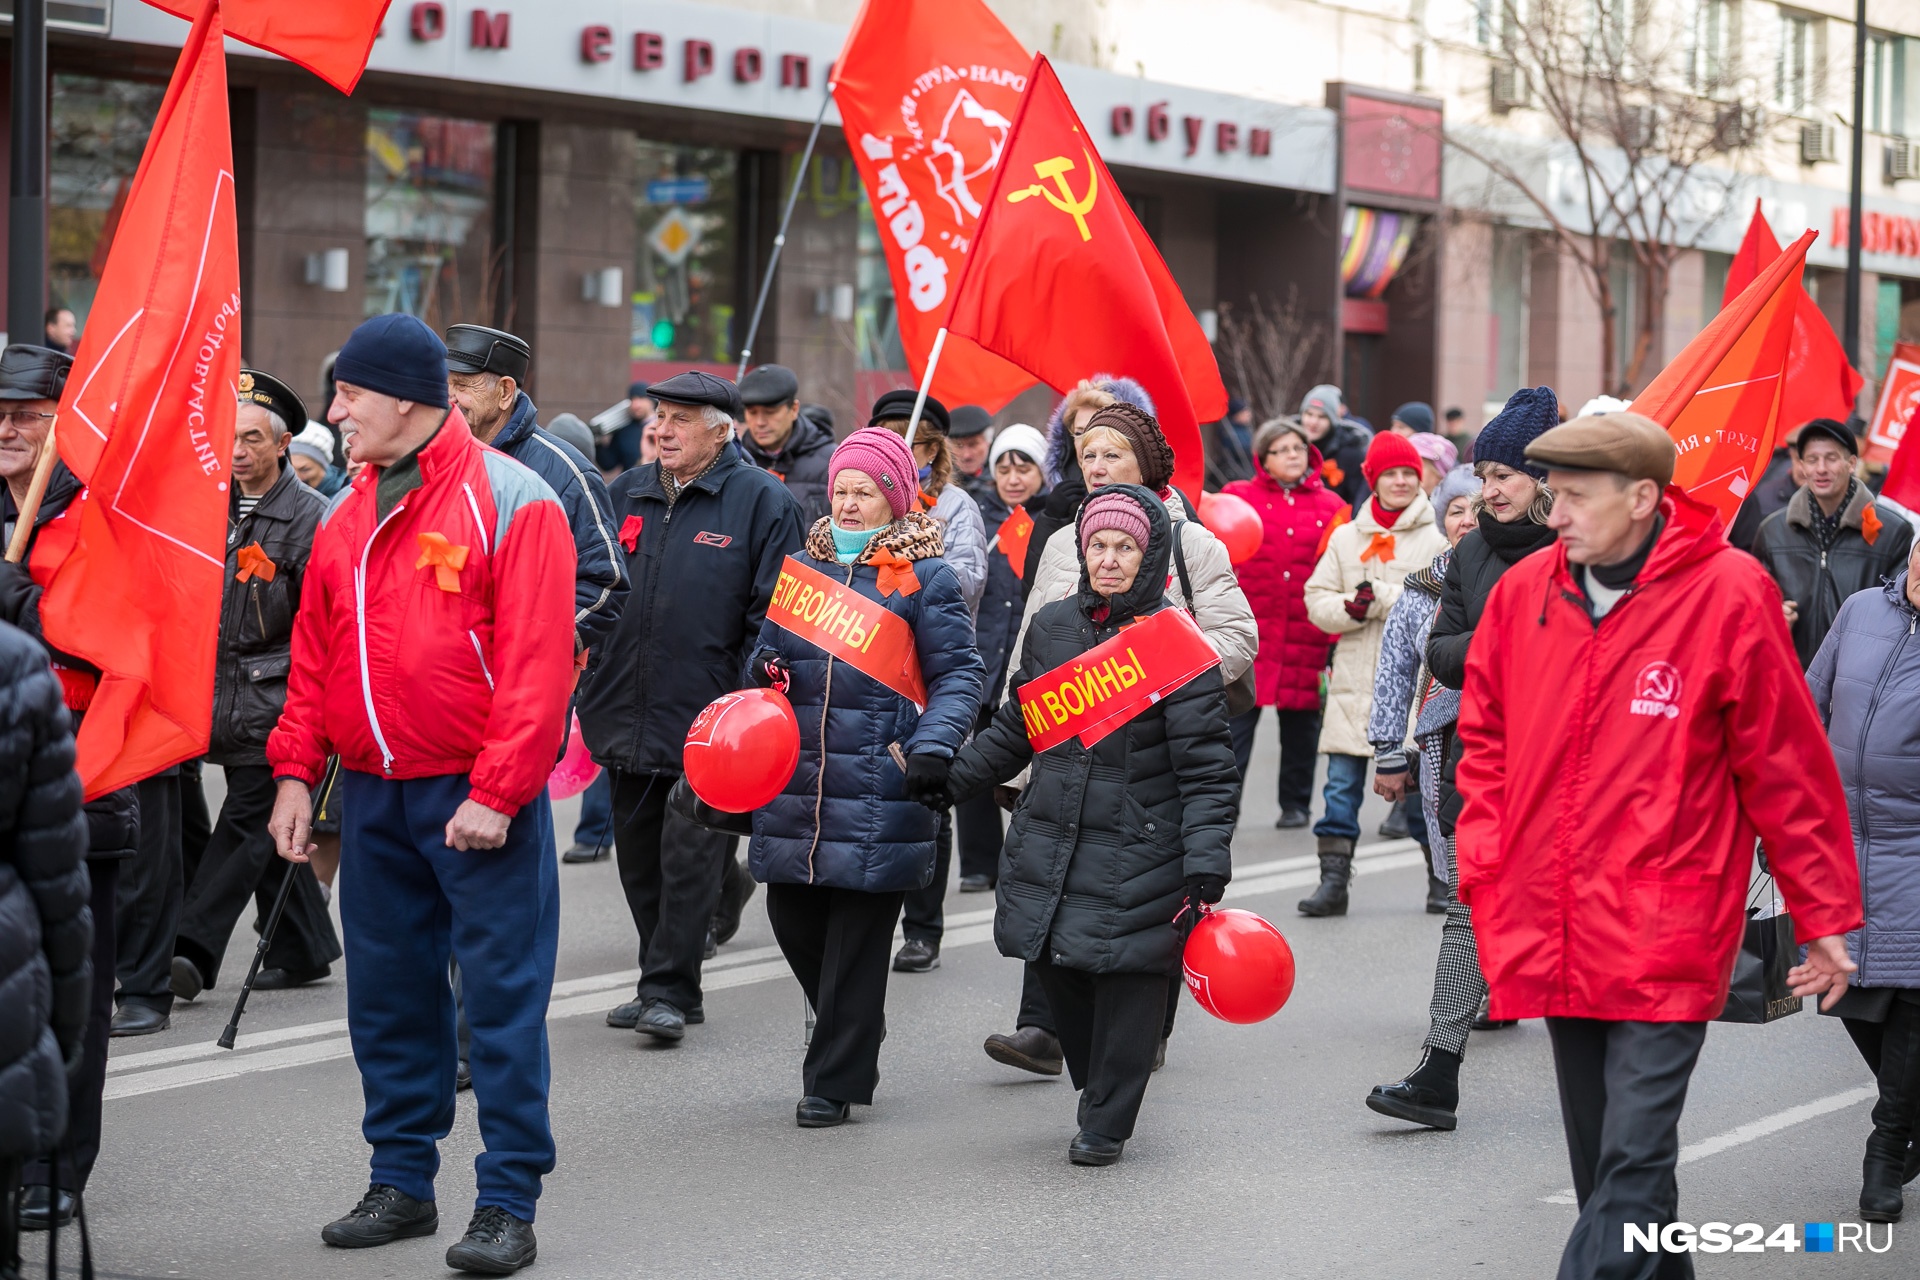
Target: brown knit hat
1149	443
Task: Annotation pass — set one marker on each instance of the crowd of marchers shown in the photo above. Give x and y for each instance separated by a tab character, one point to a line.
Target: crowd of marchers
1588	703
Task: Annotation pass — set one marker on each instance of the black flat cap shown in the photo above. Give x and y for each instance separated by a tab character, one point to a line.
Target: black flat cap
696	387
899	404
769	384
1826	429
33	373
969	420
274	396
474	348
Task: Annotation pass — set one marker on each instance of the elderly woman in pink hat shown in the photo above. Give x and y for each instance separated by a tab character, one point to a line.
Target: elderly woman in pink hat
869	634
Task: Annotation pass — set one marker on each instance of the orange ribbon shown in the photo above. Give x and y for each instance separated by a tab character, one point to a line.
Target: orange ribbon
1870	526
1379	548
254	563
447	560
1330	472
896	573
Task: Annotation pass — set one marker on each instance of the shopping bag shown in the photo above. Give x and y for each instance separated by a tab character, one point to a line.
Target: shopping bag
1759	992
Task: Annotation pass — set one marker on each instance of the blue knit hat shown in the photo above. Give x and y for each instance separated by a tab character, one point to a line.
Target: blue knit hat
1415	414
1529	413
398	356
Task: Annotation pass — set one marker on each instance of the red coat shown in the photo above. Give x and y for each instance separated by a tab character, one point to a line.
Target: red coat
404	678
1293	652
1615	777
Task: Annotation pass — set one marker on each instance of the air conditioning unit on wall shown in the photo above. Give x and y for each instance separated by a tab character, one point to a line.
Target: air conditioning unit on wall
1508	87
1903	160
1736	128
1817	144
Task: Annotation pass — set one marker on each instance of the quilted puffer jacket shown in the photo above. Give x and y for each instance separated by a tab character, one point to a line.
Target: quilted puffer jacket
1293	652
844	818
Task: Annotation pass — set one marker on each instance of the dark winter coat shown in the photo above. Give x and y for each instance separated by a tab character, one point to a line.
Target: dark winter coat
1005	597
844	819
1771	493
600	580
801	465
46	929
1102	842
1293	652
701	574
256	618
1820	582
1342	452
1866	684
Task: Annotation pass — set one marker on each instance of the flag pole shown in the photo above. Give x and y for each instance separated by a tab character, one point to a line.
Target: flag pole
780	240
926	380
36	492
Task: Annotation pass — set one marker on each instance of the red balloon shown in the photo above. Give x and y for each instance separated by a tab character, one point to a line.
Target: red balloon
1238	966
1233	521
576	770
742	749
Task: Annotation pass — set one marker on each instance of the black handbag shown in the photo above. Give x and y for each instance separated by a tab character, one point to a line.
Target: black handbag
1240	693
1759	992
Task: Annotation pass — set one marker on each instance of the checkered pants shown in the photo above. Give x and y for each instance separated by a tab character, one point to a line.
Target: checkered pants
1458	987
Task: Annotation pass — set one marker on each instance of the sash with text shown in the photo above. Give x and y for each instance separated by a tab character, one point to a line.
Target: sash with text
863	633
1114	681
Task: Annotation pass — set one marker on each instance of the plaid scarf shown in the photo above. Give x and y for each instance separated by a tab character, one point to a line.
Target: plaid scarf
1826	528
675	488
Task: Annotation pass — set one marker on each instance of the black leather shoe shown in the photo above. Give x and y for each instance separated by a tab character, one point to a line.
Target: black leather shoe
917	957
820	1113
707	952
585	853
1291	818
185	979
1160	1054
462	1077
1028	1048
976	884
496	1244
1405	1100
661	1021
132	1019
1481	1022
736	890
625	1016
384	1214
288	979
1091	1148
42	1209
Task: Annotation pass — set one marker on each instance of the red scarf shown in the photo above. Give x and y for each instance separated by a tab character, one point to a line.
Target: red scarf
1384	517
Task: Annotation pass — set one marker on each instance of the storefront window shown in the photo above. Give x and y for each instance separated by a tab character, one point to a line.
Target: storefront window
99	129
430	249
686	255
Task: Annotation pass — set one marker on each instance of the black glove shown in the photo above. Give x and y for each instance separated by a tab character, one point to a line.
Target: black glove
927	780
1201	890
771	673
1361	602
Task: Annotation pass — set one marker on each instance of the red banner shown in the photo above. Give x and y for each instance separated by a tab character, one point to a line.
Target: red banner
1899	401
862	633
331	38
1114	681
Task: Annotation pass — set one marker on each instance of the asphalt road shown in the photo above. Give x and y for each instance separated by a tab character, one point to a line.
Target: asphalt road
1254	1155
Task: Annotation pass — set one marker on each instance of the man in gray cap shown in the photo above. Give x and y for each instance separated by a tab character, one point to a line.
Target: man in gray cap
969	439
486	369
779	440
705	535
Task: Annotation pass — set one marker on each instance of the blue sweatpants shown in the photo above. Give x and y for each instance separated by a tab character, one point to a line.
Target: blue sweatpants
408	902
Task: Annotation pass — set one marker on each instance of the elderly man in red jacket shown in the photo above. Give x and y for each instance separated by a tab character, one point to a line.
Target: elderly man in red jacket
1633	718
433	652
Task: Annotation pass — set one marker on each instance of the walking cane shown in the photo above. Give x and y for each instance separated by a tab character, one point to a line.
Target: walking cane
260	954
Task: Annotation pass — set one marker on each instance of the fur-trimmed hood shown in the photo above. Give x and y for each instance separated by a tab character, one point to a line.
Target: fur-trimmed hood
1060	442
916	536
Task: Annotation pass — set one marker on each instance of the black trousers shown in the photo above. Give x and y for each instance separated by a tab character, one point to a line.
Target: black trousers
1109	1030
1299	752
1036	1012
1622	1088
148	916
976	825
85	1087
196	824
239	863
671	871
926	909
838	944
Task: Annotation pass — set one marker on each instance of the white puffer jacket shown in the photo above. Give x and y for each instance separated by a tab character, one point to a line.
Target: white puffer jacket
1416	541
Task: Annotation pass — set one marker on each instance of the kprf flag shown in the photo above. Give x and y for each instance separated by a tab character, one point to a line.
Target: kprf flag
1903	473
331	38
1899	402
1720	397
1062	279
147	425
1820	382
927	91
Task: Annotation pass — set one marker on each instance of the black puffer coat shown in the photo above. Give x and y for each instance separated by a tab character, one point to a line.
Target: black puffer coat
256	618
1005	598
1103	840
46	930
1819	582
801	465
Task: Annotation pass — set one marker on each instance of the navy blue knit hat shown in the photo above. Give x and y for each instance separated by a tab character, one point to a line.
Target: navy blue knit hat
398	356
1415	414
1529	413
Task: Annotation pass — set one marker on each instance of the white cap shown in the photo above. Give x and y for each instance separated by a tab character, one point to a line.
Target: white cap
1018	438
1603	404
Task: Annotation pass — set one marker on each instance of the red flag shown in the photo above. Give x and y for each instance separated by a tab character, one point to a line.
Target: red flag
927	90
1062	279
1720	397
1903	473
331	38
1820	382
147	425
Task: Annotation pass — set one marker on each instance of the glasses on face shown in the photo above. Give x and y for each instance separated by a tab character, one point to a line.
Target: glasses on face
22	418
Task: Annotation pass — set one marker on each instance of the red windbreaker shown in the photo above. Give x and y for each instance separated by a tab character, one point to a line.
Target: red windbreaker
440	641
1615	776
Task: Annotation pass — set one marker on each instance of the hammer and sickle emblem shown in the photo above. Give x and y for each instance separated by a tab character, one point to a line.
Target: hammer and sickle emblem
1066	202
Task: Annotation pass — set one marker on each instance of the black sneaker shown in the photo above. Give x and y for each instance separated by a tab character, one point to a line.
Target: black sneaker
917	956
384	1214
496	1244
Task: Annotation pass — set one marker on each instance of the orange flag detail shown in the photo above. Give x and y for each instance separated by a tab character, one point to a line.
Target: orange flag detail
147	425
1720	397
446	559
255	563
1062	280
331	38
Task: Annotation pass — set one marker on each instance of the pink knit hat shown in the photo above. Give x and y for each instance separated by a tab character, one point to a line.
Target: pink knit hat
1116	511
884	457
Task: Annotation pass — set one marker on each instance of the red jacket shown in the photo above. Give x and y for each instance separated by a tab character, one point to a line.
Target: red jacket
408	668
1615	776
1293	652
